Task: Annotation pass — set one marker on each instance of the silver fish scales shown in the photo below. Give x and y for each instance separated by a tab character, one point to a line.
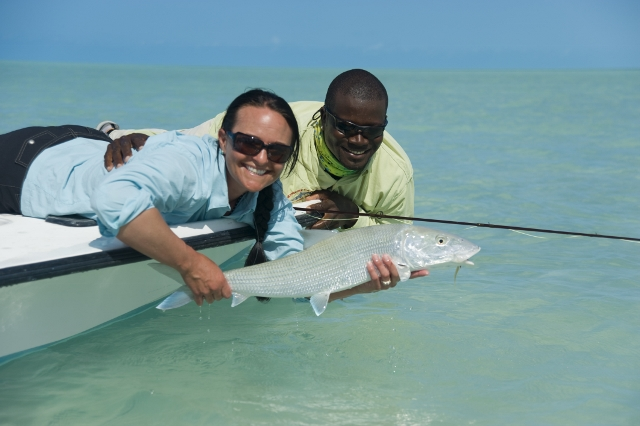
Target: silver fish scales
339	263
326	266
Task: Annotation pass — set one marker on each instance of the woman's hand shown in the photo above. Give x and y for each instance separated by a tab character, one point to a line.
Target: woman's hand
384	275
150	235
205	279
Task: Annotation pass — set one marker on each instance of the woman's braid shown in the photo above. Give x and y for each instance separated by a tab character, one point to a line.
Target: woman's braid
261	218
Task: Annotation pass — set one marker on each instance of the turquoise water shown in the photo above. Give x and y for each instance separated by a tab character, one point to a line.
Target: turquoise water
544	329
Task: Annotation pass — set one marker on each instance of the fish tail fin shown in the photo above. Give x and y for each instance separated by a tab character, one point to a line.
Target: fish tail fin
238	299
175	300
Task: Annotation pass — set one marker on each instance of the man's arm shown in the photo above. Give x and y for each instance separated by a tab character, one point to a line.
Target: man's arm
397	202
124	141
329	200
115	134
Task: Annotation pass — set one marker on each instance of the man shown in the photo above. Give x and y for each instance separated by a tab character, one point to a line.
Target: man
347	161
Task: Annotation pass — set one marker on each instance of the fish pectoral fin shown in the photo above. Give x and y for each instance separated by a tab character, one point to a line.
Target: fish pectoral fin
319	302
403	269
314	236
175	300
238	299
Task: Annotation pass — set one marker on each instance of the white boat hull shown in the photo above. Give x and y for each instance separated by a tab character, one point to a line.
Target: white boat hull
37	313
58	281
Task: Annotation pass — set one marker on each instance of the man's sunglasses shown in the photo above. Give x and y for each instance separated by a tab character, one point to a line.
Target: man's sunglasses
250	145
350	129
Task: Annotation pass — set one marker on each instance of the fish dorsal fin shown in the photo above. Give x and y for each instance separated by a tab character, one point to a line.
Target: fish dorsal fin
314	236
175	300
238	299
319	302
167	271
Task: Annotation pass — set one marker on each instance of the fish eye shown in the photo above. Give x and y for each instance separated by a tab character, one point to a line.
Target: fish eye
441	240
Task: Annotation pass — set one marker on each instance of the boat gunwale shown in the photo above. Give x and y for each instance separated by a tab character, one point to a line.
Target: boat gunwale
14	275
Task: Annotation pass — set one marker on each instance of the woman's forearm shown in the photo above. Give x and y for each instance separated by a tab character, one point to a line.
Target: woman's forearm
150	235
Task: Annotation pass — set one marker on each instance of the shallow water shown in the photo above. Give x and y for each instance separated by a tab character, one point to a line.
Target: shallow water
543	330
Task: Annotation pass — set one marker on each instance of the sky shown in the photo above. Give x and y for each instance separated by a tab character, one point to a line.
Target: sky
440	34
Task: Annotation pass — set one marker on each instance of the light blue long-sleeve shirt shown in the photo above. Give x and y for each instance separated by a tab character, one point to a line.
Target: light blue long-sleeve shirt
182	176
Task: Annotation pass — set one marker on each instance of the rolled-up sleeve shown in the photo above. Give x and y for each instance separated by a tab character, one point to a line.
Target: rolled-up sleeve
168	175
118	204
283	235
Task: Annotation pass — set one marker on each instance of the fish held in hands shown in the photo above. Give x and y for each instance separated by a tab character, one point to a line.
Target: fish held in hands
337	263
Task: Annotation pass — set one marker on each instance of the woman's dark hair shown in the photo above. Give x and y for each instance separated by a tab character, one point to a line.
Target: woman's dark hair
264	99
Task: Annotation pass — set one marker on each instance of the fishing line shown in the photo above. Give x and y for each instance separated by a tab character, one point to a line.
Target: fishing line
480	225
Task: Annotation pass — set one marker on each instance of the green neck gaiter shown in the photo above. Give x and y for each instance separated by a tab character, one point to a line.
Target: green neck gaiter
328	161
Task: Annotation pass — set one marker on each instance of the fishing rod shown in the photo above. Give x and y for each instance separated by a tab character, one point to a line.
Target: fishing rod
479	225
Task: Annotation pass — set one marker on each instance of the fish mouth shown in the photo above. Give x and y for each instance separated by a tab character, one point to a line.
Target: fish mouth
464	258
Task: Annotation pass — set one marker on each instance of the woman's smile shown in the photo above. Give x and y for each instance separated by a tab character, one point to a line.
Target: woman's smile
255	171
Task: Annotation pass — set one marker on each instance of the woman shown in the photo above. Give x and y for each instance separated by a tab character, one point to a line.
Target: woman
175	179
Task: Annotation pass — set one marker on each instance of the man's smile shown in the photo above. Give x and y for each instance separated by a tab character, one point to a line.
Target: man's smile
355	151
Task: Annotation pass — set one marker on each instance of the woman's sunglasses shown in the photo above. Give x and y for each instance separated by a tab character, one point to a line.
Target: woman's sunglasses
350	129
250	145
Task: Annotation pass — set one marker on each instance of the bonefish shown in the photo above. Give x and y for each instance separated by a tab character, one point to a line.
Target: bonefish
338	263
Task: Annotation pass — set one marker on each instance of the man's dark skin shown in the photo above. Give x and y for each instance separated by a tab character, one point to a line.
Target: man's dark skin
361	112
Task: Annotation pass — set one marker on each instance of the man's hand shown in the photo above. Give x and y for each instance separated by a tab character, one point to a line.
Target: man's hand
330	200
119	150
384	275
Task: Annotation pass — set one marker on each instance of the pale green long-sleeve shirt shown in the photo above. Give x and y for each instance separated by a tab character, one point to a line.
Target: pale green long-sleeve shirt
385	186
